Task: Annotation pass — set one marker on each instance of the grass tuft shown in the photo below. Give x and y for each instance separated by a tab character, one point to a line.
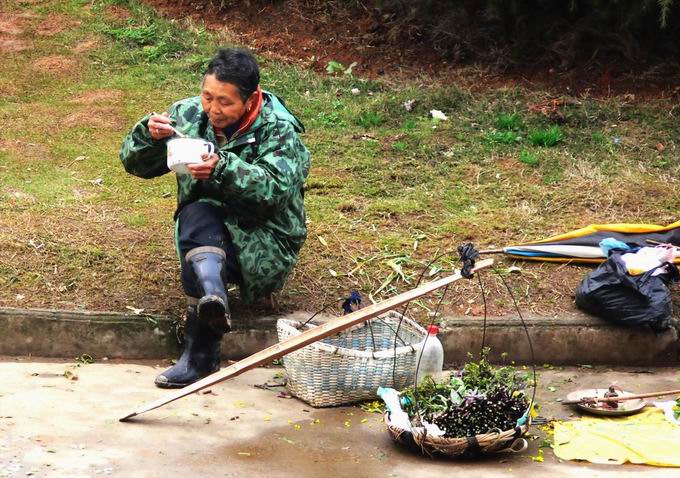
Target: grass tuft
503	137
151	38
508	122
546	137
369	120
530	159
410	125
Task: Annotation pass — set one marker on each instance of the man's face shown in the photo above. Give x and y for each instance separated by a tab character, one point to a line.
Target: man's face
222	102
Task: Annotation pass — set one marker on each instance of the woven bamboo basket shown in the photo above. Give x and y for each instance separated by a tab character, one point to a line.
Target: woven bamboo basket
349	367
495	441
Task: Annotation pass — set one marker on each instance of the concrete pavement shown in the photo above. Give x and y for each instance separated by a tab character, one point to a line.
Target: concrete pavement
51	426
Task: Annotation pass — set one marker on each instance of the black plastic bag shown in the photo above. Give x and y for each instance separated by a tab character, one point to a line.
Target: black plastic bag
611	293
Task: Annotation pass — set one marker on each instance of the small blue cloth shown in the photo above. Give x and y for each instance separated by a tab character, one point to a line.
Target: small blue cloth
609	244
353	299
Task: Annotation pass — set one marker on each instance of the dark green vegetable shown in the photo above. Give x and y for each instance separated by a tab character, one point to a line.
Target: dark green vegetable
482	399
498	410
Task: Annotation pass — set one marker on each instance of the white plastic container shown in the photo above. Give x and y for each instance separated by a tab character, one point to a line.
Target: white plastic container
431	360
184	151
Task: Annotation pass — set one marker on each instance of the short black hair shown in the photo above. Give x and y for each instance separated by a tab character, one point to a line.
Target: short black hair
236	66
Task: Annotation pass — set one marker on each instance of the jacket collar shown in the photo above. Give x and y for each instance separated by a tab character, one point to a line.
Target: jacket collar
252	114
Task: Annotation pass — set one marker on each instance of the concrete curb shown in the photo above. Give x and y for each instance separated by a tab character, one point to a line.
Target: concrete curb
571	339
49	333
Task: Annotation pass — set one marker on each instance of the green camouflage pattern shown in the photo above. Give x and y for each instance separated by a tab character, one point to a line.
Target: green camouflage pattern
258	180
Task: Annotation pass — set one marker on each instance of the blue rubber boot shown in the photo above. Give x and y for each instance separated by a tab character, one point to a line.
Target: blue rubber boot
201	355
208	265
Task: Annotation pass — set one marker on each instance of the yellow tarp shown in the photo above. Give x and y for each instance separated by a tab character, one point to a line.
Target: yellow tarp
622	228
645	438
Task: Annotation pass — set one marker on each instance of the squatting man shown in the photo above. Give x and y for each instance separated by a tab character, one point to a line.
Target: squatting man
240	214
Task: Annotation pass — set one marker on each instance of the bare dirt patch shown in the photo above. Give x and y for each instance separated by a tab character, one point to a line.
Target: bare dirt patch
25	149
27	15
14	145
98	117
6	145
293	32
97	96
10	24
85	46
310	34
17	196
56	64
8	89
10	44
54	24
80	194
118	12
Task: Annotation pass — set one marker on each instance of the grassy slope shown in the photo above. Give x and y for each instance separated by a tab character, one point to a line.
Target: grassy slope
388	191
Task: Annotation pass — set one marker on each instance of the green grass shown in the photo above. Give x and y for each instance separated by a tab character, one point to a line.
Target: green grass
548	137
369	120
150	38
508	121
528	158
503	137
136	220
410	125
385	182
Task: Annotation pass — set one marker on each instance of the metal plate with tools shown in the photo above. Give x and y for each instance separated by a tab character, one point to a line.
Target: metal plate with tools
582	399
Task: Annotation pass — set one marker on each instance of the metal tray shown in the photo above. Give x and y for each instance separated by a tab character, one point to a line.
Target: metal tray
628	407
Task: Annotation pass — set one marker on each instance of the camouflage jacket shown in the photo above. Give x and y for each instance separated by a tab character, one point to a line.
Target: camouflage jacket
258	180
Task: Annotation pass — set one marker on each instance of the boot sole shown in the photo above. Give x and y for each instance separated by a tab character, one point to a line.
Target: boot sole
212	311
161	384
171	384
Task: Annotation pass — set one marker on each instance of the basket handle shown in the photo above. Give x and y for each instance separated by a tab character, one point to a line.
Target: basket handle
517	446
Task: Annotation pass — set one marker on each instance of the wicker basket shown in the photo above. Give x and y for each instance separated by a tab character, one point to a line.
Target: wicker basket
349	367
495	441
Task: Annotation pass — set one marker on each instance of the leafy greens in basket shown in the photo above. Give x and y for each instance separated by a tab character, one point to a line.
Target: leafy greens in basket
482	398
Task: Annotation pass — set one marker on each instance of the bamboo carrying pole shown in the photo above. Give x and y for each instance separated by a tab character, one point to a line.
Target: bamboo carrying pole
307	337
492	251
621	399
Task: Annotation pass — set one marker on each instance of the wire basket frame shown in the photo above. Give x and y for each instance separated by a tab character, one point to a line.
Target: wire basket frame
494	441
350	366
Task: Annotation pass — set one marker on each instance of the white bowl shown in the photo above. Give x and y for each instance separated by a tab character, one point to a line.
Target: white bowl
185	151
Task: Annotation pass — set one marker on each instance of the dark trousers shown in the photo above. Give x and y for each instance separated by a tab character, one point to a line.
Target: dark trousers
202	224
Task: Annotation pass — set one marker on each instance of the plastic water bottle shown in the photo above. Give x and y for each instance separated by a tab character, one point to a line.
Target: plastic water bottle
431	356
